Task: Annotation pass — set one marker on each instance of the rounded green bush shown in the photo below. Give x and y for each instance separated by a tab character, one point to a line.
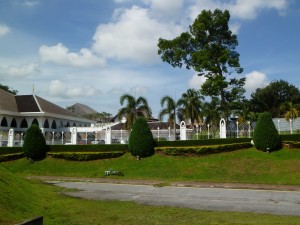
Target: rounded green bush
265	136
34	146
141	142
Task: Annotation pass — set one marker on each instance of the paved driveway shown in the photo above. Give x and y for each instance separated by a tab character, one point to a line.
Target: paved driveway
259	201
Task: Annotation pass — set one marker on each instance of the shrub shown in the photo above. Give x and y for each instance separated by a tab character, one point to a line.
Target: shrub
89	148
34	143
85	156
265	136
141	142
202	150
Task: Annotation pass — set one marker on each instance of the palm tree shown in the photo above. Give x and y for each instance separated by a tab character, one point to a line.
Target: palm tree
291	110
190	106
133	109
169	110
212	111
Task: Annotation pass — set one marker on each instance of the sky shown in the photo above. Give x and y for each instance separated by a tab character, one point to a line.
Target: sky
93	51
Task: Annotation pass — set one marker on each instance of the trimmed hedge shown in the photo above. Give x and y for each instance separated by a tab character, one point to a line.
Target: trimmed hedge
291	144
10	157
89	148
10	150
290	137
85	156
141	142
34	146
204	142
202	150
265	135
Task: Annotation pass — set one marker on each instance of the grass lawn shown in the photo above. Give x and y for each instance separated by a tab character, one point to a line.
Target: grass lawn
244	166
21	199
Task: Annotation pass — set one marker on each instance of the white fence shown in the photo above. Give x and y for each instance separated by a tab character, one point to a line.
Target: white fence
96	135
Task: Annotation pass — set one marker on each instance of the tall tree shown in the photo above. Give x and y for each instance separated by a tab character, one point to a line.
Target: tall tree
133	109
271	98
169	108
189	106
6	88
208	48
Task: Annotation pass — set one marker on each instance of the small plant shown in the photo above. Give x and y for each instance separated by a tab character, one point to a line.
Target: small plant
266	137
141	142
34	147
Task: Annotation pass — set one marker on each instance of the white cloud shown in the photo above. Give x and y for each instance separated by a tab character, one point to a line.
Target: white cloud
139	90
166	7
61	55
133	36
196	81
240	9
30	3
28	70
58	88
4	30
255	80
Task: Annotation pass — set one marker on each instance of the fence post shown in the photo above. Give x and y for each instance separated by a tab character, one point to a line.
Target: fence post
73	135
182	131
222	128
108	135
11	136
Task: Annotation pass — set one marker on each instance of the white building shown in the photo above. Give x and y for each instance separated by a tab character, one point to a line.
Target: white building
21	111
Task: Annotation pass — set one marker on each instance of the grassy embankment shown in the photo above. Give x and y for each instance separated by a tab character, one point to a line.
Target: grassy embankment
21	199
245	166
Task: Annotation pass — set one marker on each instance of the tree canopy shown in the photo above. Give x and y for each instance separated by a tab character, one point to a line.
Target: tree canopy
272	97
8	89
208	48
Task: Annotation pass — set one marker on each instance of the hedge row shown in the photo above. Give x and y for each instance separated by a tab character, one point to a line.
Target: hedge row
9	157
10	150
202	150
89	148
204	142
291	144
85	156
290	137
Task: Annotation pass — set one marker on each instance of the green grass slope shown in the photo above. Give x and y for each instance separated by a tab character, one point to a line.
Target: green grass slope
18	200
245	166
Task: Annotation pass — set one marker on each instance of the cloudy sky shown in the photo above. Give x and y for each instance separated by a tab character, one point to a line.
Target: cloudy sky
93	51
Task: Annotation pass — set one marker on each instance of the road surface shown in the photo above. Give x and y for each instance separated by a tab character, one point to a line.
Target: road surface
222	199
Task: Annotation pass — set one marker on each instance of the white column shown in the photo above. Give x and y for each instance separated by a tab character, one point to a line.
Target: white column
182	131
73	135
11	136
108	135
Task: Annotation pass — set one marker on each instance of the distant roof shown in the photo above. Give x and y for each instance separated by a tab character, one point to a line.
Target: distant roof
8	101
30	103
81	109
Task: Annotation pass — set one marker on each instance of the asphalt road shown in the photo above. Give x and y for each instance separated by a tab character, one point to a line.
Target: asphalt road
222	199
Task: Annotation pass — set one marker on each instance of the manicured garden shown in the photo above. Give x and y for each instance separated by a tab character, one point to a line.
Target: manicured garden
21	199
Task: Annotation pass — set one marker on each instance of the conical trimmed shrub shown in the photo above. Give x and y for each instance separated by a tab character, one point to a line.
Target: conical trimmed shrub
266	137
34	146
141	142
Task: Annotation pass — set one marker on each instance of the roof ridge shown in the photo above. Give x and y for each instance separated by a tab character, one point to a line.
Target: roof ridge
37	102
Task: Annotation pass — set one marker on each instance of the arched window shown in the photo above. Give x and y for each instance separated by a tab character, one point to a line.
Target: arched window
24	123
13	123
74	124
35	122
4	122
46	124
68	124
53	126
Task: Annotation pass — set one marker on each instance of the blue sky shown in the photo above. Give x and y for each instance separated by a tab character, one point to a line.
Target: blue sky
92	51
